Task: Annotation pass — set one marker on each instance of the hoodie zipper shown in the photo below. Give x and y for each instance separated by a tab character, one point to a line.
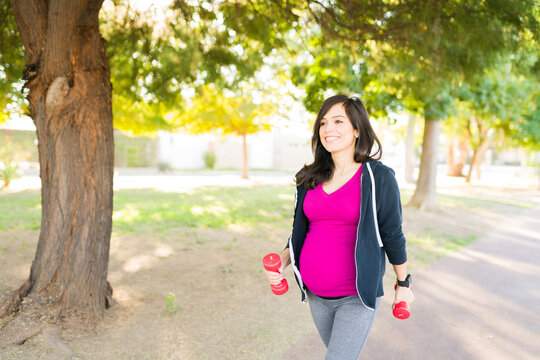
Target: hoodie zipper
357	235
291	254
373	203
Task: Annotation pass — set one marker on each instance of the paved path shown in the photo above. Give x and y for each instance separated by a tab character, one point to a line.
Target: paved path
481	302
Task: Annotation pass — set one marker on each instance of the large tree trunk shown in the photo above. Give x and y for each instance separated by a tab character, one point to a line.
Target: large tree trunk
409	150
245	160
70	104
425	195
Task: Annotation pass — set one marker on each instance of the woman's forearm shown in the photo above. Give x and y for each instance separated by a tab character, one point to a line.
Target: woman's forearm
286	257
401	271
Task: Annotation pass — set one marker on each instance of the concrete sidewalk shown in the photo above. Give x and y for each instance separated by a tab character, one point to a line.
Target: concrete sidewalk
481	302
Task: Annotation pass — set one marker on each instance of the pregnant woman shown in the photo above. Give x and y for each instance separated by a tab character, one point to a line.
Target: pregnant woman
347	218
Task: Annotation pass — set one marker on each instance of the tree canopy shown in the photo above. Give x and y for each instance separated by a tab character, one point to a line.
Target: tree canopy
12	61
424	51
159	55
226	112
392	54
158	61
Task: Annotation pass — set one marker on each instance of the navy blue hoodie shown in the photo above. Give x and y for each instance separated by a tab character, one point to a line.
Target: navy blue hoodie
375	237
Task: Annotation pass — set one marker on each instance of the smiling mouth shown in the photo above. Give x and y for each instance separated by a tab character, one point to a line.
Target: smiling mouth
331	138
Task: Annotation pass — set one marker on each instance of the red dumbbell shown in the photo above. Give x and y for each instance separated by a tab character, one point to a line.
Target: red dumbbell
401	309
272	262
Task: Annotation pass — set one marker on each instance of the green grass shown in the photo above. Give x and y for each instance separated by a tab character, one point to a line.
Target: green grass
137	211
20	210
256	208
428	247
210	207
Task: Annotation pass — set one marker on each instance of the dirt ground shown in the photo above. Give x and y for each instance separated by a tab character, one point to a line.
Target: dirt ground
224	307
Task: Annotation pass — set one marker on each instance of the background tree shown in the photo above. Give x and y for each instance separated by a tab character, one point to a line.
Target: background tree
159	57
423	50
443	44
226	112
457	136
524	130
495	100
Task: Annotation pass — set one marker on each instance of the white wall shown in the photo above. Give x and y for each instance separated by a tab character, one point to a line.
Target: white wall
292	152
183	151
229	152
261	153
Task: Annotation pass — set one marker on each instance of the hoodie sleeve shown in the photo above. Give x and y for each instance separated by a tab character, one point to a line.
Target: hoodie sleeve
389	217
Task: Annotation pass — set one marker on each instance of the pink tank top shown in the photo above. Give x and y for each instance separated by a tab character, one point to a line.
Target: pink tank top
327	258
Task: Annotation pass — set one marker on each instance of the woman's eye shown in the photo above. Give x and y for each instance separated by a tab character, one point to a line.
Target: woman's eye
339	121
323	123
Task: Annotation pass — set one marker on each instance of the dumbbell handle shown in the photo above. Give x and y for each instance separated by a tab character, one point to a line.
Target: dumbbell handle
401	309
272	262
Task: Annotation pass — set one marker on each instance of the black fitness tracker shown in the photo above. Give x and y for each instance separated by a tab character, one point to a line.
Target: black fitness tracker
406	282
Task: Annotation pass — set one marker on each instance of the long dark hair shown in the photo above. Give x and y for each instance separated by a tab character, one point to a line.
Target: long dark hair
323	166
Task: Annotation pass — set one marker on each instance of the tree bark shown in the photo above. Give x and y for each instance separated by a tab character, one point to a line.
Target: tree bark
245	162
70	104
425	195
409	150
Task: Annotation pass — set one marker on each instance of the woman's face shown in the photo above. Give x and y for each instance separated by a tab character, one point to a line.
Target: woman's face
336	131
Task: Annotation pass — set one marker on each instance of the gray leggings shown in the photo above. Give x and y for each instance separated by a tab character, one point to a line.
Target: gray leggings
344	325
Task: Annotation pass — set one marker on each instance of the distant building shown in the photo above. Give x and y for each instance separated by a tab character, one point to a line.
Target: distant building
266	150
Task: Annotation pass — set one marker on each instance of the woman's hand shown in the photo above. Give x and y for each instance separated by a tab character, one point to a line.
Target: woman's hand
403	294
273	277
